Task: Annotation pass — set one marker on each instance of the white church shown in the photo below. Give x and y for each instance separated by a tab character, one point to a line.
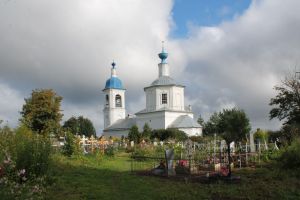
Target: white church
164	105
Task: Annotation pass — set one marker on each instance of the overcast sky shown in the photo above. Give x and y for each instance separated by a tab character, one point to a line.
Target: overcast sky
231	54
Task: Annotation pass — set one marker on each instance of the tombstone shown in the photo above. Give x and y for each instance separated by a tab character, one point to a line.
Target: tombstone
155	143
169	154
222	145
132	143
232	147
252	145
161	143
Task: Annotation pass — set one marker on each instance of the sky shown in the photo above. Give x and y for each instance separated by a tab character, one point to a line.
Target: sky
228	53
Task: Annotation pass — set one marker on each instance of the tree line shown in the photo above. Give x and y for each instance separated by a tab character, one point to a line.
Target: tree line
42	114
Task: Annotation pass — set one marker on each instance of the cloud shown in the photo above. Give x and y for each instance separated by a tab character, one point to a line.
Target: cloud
10	104
69	45
240	61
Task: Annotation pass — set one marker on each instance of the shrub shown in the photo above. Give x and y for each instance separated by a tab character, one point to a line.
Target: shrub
69	146
109	151
290	156
24	162
32	152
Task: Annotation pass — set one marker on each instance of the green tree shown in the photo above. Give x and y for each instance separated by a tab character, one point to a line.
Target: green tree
134	134
211	126
170	133
81	126
286	104
146	132
86	127
69	146
233	127
262	135
290	132
72	125
41	112
200	121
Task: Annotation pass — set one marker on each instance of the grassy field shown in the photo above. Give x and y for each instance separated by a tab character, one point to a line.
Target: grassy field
110	178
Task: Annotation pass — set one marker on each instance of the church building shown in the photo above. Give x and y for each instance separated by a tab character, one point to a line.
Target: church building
164	105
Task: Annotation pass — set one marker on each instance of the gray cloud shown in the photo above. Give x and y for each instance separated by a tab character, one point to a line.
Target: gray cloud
69	45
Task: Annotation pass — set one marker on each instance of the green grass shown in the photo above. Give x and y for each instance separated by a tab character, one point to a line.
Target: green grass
110	178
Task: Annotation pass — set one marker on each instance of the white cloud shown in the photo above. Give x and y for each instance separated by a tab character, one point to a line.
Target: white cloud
245	57
69	45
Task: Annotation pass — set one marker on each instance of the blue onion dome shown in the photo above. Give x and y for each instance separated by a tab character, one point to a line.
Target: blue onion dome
114	83
163	56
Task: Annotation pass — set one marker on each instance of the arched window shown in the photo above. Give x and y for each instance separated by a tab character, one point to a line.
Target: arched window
107	100
164	98
118	101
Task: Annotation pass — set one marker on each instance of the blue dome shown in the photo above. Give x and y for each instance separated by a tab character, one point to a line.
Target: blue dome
114	83
163	56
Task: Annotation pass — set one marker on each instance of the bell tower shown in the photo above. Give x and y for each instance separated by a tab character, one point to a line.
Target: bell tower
114	94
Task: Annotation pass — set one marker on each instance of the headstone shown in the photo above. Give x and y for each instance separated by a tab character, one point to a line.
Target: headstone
132	143
169	153
232	147
155	143
252	145
161	143
222	145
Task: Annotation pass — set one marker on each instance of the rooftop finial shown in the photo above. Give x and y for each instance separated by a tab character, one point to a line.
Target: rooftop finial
113	64
162	46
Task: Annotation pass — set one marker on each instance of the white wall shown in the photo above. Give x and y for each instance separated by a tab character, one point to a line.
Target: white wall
110	111
155	120
116	133
175	98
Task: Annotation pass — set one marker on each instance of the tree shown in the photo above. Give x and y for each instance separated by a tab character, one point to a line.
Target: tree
69	146
200	121
134	134
41	111
72	125
262	135
286	104
81	126
233	126
86	127
169	133
146	131
211	127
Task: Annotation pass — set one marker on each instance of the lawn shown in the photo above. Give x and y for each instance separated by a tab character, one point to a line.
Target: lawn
93	177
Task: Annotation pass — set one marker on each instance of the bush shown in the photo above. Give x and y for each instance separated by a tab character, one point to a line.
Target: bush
32	152
109	151
290	156
24	163
69	146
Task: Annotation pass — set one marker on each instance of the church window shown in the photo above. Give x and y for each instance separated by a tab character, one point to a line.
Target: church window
164	98
107	100
118	101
